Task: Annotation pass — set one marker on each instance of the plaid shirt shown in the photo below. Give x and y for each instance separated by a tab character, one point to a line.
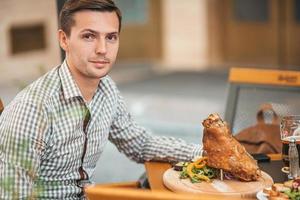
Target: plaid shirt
45	128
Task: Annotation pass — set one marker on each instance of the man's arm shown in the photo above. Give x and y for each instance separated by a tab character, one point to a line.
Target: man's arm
140	145
22	128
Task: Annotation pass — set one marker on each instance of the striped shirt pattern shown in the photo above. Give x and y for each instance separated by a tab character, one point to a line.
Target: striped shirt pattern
43	135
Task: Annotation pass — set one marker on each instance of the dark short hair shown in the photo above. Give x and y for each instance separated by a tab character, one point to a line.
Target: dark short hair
66	20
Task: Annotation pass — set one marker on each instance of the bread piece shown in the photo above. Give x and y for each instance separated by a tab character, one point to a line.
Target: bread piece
283	195
267	190
274	193
288	184
278	198
279	187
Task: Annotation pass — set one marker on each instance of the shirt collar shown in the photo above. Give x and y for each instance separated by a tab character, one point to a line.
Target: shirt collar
70	88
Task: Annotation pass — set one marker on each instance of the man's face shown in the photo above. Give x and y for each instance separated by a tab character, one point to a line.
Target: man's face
92	47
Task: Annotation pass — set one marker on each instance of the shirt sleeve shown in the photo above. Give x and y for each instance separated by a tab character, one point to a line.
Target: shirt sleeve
22	128
140	145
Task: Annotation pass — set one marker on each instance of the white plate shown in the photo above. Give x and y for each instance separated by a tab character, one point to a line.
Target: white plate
261	196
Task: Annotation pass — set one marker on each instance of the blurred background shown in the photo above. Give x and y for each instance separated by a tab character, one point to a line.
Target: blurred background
173	60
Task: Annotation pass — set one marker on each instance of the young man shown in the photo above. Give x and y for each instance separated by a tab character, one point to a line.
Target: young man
54	131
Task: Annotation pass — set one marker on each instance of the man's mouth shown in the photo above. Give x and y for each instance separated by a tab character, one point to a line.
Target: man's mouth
99	61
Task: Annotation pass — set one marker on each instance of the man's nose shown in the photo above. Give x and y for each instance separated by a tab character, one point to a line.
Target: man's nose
101	46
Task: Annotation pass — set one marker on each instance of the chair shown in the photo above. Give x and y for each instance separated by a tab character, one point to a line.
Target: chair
104	192
1	107
250	88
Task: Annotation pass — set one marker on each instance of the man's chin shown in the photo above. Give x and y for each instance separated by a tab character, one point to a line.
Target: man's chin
98	75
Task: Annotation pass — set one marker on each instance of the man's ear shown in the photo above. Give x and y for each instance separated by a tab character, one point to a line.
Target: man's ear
62	36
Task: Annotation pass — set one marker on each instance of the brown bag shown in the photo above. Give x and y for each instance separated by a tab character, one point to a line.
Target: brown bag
262	137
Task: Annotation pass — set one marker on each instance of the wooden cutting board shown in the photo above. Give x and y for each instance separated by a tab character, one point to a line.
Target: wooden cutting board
232	188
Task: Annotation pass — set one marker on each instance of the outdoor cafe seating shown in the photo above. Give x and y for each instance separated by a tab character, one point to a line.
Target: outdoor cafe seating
281	88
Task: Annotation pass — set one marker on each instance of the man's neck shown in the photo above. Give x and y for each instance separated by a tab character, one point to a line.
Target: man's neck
86	86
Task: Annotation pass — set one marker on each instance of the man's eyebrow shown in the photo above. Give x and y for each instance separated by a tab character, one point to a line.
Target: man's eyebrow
116	32
96	32
89	30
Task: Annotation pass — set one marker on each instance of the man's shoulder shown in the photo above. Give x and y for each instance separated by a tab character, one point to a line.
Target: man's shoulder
109	83
42	89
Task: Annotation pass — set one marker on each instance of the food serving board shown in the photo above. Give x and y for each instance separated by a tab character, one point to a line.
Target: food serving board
234	188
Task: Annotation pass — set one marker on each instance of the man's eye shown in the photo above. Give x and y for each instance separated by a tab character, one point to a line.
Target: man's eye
112	38
88	37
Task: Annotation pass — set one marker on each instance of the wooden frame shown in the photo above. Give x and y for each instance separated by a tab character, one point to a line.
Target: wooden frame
1	107
240	78
111	193
129	185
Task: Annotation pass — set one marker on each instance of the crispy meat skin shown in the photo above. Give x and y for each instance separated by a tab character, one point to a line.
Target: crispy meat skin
225	152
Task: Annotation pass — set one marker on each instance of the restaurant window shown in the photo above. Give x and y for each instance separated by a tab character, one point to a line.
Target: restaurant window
251	10
134	11
297	10
27	38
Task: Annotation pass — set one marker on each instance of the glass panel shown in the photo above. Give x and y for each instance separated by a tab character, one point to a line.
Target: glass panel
251	10
134	11
297	10
285	101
